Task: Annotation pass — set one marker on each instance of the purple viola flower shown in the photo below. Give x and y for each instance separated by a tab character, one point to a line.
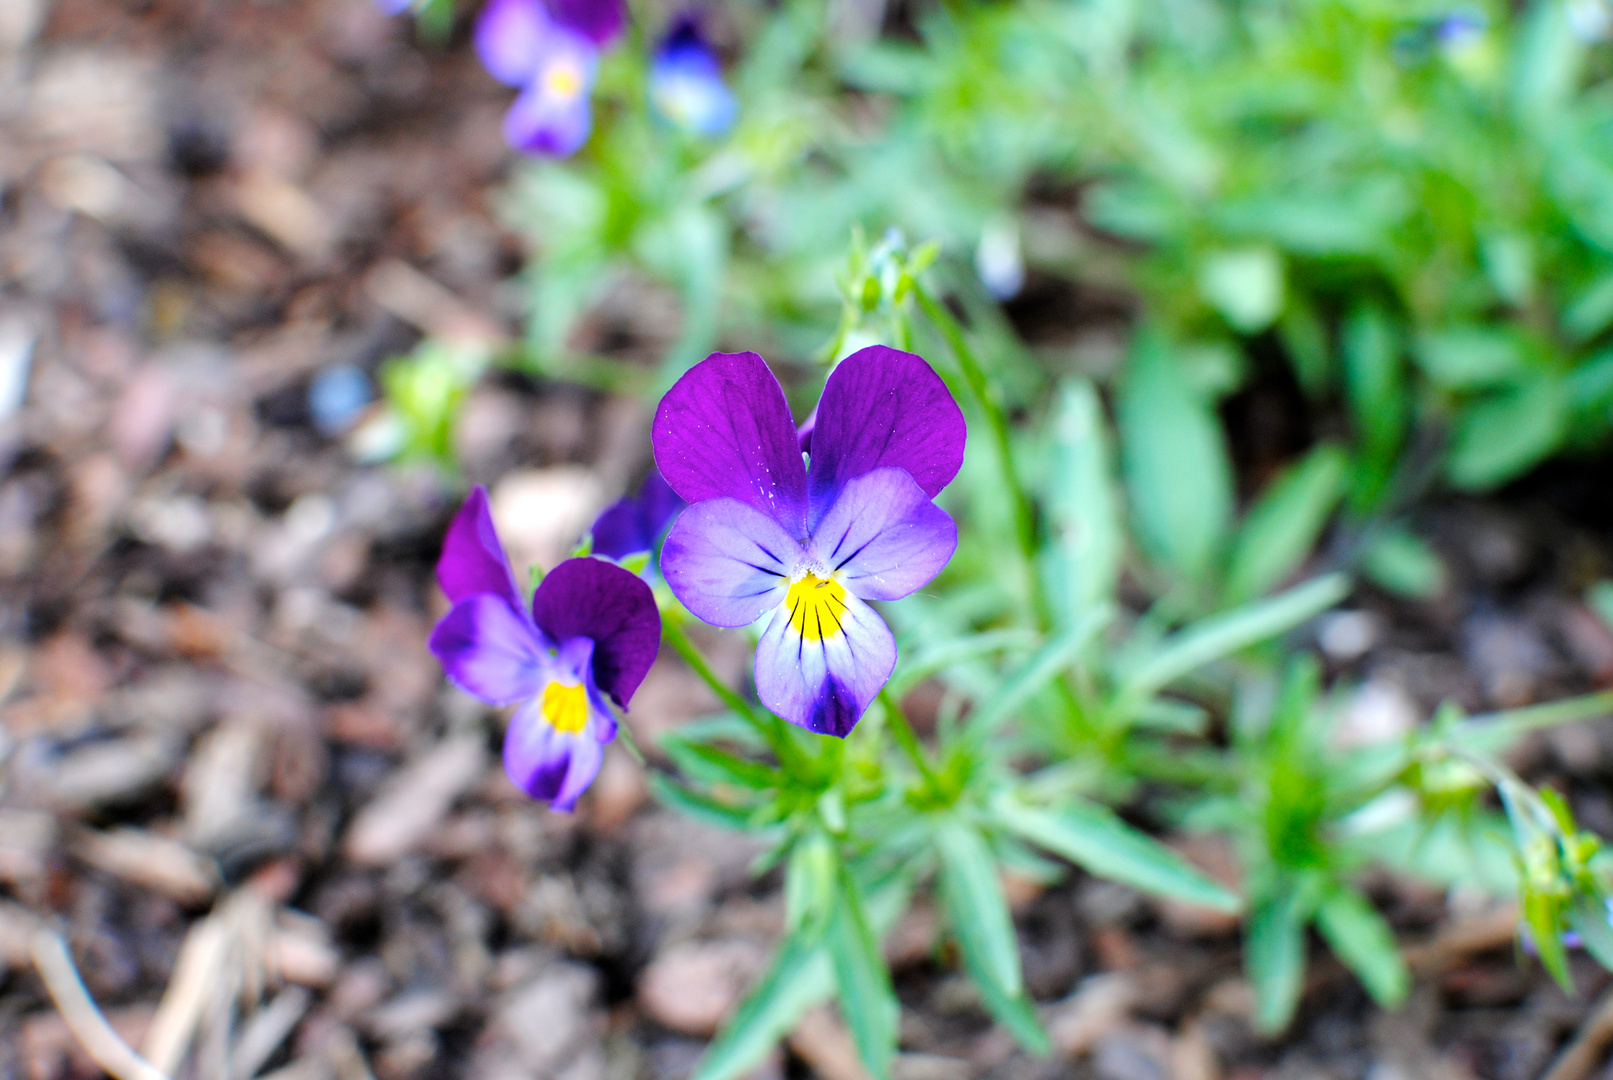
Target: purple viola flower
810	545
551	51
634	523
686	84
593	630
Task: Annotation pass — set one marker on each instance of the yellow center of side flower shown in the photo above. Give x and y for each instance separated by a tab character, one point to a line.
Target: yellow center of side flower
563	79
565	707
817	607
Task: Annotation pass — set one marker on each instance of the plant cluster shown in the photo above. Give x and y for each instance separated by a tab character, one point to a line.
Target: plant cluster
1405	203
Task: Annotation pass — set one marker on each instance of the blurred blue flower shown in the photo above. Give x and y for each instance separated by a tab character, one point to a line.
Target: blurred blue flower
394	7
337	396
686	85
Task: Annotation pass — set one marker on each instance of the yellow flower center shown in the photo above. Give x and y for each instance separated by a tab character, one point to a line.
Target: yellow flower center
563	79
817	606
566	707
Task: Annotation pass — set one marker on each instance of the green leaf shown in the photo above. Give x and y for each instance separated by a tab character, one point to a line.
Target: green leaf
1541	913
1403	563
1083	563
1547	63
976	908
1274	953
1283	526
713	766
1224	634
698	806
867	1000
1466	357
1305	341
798	979
809	883
1096	839
1013	1011
1589	919
1360	937
1245	285
1178	476
1374	384
1498	437
1038	671
1591	312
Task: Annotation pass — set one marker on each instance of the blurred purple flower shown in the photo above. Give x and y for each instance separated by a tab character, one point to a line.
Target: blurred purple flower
686	85
551	51
394	7
634	523
765	534
593	630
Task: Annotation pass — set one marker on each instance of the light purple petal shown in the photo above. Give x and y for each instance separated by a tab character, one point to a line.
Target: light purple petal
724	431
883	537
549	764
883	407
511	36
827	684
600	21
473	560
728	563
490	650
610	606
552	116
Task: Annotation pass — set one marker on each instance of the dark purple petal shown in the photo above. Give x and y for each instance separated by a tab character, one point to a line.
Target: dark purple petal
511	38
660	503
619	531
686	85
724	431
727	562
825	684
803	434
549	764
552	115
490	650
883	538
613	608
600	21
473	560
633	524
884	407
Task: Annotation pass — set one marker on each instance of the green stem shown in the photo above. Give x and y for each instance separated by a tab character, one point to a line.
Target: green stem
897	721
1492	732
974	376
770	726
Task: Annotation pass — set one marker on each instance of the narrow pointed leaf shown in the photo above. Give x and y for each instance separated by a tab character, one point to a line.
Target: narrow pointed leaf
1227	633
799	978
867	1000
1096	839
1360	938
976	907
1274	955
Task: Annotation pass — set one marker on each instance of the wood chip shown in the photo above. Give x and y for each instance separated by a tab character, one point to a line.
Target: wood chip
149	860
398	820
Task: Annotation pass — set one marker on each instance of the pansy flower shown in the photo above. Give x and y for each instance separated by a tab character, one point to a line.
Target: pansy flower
686	85
810	545
633	524
592	632
551	51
